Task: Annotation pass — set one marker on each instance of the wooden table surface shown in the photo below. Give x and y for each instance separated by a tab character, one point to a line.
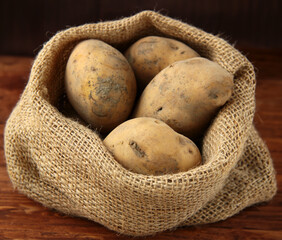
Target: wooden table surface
22	218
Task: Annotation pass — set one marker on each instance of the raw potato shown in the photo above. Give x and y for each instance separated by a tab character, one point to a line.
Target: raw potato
186	95
100	84
149	55
149	146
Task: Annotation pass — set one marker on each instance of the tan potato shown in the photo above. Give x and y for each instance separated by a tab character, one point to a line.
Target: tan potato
149	55
149	146
100	84
186	95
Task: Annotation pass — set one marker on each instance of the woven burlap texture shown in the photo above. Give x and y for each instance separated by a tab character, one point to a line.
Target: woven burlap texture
64	165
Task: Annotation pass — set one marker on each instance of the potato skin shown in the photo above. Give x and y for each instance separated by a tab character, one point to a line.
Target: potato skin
149	55
100	84
149	146
186	95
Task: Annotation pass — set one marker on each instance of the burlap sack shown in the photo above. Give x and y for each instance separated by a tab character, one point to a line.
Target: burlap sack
63	164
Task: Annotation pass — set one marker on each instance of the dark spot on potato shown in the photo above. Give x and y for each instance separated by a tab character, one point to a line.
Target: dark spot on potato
159	109
136	149
182	52
93	69
165	76
213	94
90	94
74	61
186	99
184	141
173	46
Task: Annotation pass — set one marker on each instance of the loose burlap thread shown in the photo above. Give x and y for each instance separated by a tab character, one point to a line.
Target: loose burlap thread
63	164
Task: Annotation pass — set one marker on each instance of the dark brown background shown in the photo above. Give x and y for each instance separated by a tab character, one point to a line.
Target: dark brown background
26	24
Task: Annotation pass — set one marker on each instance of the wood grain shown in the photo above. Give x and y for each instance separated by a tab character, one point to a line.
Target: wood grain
22	218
